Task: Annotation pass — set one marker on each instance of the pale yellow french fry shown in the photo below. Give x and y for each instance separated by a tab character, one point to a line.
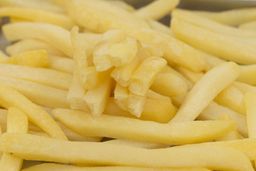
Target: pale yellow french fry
205	90
154	95
234	135
190	75
170	83
97	97
134	129
56	36
215	111
3	57
51	150
232	17
57	167
40	75
247	74
157	9
33	58
31	44
187	56
250	26
122	4
37	15
135	143
36	4
96	22
38	93
157	26
232	98
249	100
144	75
135	104
196	36
121	95
3	120
122	75
10	97
154	110
61	64
17	122
211	25
101	58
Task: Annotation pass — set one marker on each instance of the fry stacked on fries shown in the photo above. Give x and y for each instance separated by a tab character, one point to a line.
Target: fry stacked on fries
98	85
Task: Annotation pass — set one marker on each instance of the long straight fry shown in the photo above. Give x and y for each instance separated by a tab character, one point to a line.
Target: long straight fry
61	64
17	123
44	76
52	34
10	97
33	147
57	167
205	90
134	129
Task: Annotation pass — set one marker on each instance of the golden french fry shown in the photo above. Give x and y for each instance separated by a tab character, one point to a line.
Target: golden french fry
250	26
157	9
31	44
37	15
33	58
232	17
52	34
61	64
134	129
170	83
234	135
10	97
47	149
40	75
36	4
205	90
144	75
97	97
232	98
56	167
17	122
195	36
211	25
215	111
37	92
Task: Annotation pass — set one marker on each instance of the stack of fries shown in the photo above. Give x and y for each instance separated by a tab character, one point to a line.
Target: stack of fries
96	85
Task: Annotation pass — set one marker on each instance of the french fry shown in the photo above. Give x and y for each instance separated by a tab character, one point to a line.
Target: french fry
3	57
134	129
37	15
157	26
37	92
205	90
232	17
232	98
157	9
215	111
196	36
56	36
36	4
145	74
234	135
250	113
123	5
34	58
56	167
187	57
170	83
247	74
190	75
31	44
10	97
97	97
17	123
250	26
101	58
135	143
40	75
47	149
211	25
3	120
61	64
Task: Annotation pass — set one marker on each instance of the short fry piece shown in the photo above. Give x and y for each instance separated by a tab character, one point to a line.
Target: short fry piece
157	9
17	123
205	90
134	129
145	74
48	149
11	97
57	167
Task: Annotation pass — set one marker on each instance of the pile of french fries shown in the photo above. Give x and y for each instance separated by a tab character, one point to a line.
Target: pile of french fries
97	85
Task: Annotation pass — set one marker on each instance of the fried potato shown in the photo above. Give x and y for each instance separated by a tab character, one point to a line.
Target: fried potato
60	63
248	26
